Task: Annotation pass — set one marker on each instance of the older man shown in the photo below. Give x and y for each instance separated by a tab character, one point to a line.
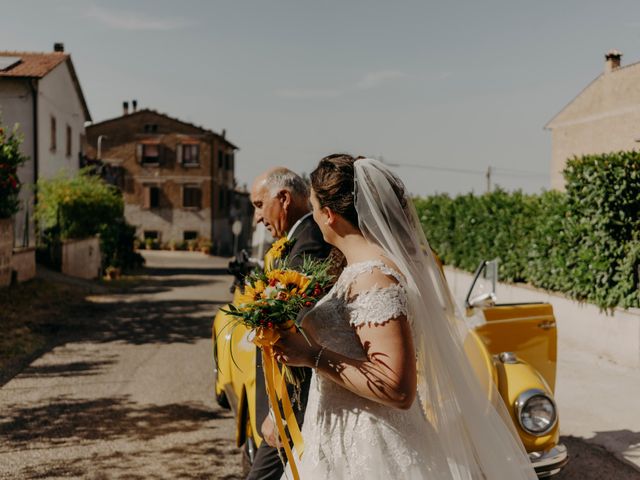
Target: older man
281	201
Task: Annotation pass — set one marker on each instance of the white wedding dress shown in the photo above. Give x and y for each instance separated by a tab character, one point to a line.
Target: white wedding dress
348	436
468	435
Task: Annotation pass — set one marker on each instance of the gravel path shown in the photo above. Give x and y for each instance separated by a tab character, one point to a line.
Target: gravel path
131	397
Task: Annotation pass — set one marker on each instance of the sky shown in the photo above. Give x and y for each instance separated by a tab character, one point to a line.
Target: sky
441	90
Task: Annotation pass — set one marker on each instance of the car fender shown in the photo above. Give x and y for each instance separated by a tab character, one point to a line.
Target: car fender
514	378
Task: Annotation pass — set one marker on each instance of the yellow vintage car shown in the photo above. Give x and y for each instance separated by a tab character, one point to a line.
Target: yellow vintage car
513	346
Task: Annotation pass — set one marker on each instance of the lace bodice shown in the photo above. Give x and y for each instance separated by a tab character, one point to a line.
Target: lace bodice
346	435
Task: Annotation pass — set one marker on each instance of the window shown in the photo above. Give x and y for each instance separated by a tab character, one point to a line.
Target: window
189	235
68	149
150	128
190	154
191	196
54	134
149	153
151	196
151	235
220	158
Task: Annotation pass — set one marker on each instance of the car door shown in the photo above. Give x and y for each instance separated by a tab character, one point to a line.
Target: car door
527	329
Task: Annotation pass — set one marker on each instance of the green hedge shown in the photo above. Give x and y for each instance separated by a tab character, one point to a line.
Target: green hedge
584	242
83	206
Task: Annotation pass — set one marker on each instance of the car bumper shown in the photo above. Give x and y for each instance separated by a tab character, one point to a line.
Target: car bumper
549	463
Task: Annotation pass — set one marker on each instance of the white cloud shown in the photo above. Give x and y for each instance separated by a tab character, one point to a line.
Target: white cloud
121	20
308	93
376	79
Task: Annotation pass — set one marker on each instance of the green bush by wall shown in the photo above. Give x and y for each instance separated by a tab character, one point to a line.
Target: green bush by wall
83	206
584	242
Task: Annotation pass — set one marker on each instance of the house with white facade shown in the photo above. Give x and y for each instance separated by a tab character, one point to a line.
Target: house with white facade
604	117
41	93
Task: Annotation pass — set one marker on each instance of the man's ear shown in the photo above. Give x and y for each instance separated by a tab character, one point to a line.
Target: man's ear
285	198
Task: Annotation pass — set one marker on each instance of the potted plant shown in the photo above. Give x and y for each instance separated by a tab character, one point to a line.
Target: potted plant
112	273
192	245
205	246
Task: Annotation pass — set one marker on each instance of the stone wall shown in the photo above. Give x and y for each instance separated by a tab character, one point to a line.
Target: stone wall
23	262
6	250
81	258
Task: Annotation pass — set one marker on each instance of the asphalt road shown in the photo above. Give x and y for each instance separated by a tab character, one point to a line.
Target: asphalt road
132	396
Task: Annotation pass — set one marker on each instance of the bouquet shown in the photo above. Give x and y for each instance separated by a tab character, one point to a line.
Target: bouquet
275	299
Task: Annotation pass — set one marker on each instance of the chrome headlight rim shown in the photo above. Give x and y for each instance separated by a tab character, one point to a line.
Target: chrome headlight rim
521	402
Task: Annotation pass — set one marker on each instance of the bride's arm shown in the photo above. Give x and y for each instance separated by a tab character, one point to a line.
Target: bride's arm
388	373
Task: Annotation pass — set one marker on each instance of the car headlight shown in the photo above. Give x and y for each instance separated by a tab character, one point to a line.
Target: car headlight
536	412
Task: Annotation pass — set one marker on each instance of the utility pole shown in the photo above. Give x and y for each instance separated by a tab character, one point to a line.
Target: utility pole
488	175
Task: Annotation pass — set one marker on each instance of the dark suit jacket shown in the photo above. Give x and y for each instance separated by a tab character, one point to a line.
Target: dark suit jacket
308	242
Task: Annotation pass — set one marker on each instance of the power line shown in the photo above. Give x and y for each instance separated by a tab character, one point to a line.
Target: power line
441	169
494	170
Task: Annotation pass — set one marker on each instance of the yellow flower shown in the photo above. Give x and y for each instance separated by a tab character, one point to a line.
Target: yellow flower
252	293
280	247
293	281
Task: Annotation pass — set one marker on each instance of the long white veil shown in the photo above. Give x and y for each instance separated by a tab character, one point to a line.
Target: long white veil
475	433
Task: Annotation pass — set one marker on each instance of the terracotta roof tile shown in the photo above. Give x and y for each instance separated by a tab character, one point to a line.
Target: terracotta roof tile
32	64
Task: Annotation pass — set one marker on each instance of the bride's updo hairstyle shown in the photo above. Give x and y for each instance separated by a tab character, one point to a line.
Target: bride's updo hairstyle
333	183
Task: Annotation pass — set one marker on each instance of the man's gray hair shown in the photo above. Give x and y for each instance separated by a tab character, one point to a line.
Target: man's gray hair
285	179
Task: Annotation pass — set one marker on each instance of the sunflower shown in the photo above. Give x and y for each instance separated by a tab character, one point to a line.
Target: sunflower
252	293
294	282
280	247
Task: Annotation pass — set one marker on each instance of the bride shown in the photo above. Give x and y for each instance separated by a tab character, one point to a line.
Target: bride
393	394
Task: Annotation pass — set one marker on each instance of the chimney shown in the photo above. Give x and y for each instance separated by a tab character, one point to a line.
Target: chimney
125	108
58	47
224	132
612	61
134	104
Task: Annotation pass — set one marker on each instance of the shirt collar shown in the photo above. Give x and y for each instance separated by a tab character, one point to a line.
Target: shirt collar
296	225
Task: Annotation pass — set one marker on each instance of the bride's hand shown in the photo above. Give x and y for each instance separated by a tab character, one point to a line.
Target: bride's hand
295	350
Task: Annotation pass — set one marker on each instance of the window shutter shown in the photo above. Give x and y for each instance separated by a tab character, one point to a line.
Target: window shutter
139	152
179	153
146	201
160	154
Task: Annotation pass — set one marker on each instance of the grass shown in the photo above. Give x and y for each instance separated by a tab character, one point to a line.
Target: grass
32	317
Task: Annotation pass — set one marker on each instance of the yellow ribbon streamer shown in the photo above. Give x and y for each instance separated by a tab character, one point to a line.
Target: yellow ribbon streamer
266	338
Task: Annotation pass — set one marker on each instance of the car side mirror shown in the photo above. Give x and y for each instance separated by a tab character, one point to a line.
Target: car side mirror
484	300
482	290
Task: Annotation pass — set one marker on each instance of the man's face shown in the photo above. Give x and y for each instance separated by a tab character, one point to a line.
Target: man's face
270	210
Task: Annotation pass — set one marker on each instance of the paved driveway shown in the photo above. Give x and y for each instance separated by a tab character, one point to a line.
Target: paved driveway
131	397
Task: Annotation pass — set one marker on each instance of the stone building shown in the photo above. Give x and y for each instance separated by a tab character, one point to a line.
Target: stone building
177	178
604	117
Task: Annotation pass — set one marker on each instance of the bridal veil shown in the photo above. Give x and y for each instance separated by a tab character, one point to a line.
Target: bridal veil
473	427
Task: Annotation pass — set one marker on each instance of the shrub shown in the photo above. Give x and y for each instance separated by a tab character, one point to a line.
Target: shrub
584	243
83	206
10	159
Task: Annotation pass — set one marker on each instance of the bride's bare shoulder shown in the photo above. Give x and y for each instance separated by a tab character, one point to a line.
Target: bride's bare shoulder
374	273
